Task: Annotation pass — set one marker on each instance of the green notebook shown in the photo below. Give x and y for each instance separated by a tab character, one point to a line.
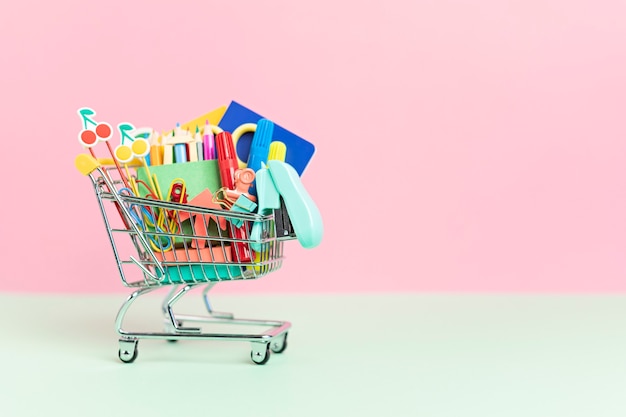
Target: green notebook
198	176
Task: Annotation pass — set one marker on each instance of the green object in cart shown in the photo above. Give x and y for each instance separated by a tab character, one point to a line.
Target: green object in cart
197	176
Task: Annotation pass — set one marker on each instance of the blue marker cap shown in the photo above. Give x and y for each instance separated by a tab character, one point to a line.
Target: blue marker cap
260	147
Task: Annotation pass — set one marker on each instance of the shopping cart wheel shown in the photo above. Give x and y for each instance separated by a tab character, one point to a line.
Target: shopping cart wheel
128	350
279	344
260	353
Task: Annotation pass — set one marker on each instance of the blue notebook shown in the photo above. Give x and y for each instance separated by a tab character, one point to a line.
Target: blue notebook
299	151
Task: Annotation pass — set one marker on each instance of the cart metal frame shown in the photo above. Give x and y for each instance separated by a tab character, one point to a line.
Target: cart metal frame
168	249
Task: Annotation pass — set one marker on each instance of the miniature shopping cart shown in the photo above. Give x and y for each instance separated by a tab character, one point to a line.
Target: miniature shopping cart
158	243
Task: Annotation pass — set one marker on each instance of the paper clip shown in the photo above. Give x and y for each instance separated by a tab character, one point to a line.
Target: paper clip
222	198
241	204
176	194
143	218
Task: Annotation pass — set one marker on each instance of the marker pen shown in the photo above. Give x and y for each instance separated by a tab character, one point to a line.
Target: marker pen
227	164
260	147
278	151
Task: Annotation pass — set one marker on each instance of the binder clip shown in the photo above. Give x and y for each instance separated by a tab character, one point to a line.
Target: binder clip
242	205
238	200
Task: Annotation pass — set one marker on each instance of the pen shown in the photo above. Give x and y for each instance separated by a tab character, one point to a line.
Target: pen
208	142
227	164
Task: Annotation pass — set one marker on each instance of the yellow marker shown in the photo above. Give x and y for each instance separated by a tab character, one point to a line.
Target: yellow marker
278	151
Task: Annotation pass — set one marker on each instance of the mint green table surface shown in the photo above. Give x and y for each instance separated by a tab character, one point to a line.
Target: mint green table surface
348	355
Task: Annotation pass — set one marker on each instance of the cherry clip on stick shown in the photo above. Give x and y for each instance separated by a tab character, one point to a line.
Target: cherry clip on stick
227	163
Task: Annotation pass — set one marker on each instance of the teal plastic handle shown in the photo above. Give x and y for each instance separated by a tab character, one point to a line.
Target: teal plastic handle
268	200
304	214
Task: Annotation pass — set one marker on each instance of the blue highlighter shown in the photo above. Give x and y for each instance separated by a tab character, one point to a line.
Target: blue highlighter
260	147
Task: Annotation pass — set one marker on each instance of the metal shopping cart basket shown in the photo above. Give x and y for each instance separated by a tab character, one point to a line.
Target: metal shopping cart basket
168	245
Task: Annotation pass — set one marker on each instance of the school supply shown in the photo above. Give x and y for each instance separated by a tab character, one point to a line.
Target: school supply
156	149
102	132
238	199
137	149
260	147
208	142
242	205
268	200
177	192
198	176
284	228
281	215
277	184
227	162
204	227
304	214
195	148
278	151
299	151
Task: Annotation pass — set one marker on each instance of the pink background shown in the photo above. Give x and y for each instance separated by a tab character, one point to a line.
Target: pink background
461	145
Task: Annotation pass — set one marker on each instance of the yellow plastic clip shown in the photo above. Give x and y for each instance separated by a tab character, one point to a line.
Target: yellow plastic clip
86	164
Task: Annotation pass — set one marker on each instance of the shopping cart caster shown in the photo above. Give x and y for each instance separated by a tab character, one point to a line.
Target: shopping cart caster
279	344
128	350
260	353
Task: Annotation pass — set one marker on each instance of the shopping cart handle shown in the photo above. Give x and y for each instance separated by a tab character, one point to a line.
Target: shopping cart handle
86	164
